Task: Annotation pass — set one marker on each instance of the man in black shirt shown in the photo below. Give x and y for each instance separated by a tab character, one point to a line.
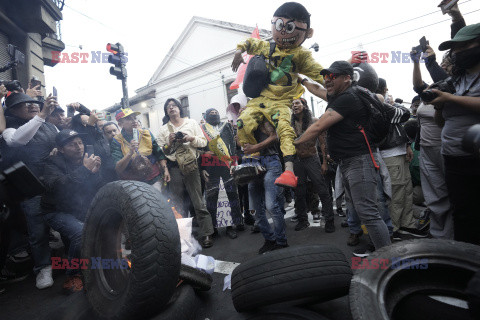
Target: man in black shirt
348	146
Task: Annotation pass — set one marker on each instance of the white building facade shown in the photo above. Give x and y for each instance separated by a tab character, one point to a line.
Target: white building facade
197	72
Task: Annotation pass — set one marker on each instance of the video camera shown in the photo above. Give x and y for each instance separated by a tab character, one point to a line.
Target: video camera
443	85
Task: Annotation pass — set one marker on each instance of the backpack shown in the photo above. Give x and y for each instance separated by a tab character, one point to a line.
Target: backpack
257	74
379	115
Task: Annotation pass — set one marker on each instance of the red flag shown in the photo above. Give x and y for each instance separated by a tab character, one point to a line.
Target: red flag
246	57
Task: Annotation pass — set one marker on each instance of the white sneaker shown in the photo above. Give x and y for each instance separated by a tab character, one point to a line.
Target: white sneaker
44	278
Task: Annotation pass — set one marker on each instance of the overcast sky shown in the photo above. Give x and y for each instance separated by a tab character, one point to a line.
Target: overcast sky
148	29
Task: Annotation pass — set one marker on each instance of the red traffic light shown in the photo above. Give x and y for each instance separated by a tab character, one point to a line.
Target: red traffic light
114	48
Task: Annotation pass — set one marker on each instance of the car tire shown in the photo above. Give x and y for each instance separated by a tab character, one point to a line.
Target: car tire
295	275
137	211
198	279
437	268
183	305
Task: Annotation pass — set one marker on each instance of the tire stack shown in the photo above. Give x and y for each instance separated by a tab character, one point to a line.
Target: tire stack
418	279
290	277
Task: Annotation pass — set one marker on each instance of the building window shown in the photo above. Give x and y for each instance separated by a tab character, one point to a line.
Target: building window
230	93
185	107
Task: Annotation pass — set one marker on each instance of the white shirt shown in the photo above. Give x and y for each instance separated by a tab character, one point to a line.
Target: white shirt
189	127
21	136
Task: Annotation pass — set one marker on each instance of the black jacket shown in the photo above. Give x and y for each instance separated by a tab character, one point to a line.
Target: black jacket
70	188
397	135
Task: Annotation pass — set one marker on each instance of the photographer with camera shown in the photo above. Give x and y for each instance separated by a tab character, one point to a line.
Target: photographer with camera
180	138
29	138
428	141
461	110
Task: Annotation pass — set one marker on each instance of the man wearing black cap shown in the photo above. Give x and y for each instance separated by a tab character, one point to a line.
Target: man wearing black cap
461	110
30	139
58	119
347	146
215	165
72	178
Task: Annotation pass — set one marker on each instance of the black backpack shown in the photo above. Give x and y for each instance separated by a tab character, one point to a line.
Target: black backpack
379	115
257	74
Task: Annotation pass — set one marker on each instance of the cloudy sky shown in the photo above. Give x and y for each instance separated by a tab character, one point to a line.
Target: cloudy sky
148	29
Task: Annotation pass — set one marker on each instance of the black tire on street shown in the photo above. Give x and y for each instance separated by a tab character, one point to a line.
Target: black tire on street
295	274
183	305
437	268
137	211
198	279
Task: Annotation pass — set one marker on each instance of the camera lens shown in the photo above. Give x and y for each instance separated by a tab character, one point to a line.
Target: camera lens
428	95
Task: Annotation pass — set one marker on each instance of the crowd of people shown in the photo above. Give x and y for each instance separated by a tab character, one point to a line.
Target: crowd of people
319	160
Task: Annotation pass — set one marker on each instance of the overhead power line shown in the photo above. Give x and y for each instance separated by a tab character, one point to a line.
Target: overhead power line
395	35
387	27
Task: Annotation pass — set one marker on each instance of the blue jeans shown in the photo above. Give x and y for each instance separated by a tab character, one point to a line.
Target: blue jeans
70	227
264	194
360	181
353	220
37	233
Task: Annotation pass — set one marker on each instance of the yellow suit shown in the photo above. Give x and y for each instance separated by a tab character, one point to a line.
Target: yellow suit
276	98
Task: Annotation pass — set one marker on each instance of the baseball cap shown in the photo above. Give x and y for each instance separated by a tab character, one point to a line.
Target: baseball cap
66	135
339	67
467	33
122	113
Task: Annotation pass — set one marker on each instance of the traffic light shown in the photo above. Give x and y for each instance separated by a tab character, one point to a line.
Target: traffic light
117	59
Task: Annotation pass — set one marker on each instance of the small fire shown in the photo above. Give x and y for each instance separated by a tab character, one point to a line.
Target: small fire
129	263
177	215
